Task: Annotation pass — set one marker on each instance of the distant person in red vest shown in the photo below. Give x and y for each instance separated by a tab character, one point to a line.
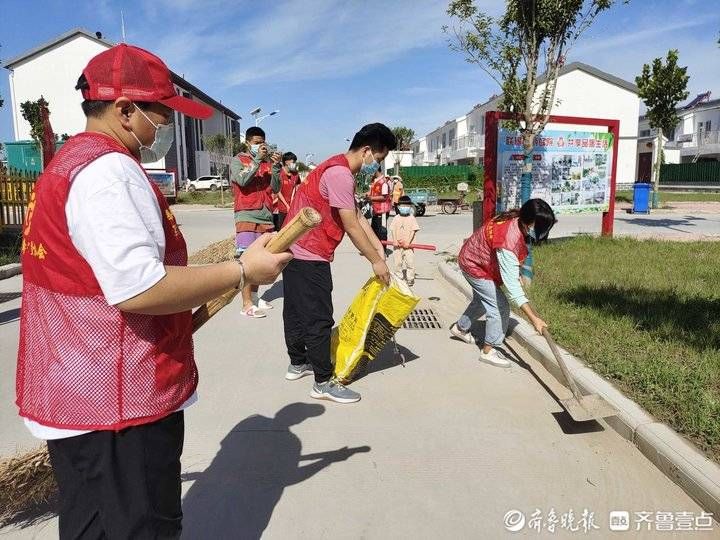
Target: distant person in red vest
491	258
105	362
307	281
381	197
289	180
255	177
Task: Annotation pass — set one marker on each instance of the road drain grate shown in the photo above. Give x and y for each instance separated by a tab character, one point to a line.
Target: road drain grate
422	319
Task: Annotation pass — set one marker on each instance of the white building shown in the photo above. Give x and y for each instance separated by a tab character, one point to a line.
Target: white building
695	138
582	90
51	70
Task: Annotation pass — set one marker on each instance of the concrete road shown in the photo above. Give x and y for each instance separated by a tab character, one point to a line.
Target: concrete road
443	447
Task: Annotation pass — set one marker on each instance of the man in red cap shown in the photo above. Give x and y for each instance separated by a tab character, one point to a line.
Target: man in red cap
105	362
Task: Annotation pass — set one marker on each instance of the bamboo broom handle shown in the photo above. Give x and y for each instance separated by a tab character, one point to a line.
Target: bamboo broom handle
306	220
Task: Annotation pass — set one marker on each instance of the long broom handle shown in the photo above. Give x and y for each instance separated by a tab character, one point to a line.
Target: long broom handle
561	362
306	220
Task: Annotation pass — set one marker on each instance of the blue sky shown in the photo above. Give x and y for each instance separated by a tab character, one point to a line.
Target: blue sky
331	66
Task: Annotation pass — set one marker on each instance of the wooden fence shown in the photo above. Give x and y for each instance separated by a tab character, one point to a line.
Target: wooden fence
15	190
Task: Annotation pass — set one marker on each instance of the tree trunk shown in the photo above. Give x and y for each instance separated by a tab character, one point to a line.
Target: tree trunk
526	178
526	270
656	168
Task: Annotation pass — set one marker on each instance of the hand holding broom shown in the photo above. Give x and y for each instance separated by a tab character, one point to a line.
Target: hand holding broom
304	221
27	480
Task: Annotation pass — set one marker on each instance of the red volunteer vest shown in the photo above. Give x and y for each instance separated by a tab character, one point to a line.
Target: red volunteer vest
326	237
380	207
287	183
82	363
257	193
477	257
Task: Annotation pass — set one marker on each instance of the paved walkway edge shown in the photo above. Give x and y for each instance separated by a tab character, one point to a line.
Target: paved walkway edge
10	270
676	457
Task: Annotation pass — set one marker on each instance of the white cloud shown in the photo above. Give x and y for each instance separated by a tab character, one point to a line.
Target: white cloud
298	40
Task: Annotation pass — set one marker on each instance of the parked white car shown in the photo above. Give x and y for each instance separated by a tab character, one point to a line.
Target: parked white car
211	183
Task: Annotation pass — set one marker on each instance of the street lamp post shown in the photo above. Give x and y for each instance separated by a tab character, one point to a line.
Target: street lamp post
261	118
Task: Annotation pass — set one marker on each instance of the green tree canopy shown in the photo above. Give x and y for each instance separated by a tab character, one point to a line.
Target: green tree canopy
404	136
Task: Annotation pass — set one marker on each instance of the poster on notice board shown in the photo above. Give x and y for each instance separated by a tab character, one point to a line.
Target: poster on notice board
571	170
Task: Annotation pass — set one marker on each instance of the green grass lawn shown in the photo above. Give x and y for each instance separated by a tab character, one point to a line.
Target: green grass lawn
645	314
9	248
203	197
666	197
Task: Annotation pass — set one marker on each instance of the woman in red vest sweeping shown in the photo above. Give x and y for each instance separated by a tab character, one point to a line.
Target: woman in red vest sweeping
307	281
105	360
491	257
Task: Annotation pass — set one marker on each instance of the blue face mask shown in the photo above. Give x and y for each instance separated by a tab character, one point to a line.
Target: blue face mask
531	233
254	149
370	168
405	210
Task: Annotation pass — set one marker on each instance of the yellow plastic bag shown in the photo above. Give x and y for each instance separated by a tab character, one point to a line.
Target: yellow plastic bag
370	322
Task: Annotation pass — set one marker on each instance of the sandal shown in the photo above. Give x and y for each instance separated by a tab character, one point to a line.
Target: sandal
253	312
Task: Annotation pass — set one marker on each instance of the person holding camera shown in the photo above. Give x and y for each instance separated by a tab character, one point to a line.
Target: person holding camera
255	177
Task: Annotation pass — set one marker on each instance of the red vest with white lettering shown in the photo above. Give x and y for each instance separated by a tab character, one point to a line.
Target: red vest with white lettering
324	239
477	257
257	193
82	363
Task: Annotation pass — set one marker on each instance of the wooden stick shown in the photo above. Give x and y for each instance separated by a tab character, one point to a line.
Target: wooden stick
428	247
306	220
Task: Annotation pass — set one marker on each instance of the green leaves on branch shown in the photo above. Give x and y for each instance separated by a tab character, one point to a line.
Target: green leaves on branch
529	41
662	87
404	136
32	113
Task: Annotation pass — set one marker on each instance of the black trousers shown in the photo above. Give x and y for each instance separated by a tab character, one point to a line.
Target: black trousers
279	219
308	315
121	484
377	226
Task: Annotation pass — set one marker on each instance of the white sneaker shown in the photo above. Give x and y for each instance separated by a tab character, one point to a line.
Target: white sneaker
495	357
262	304
467	337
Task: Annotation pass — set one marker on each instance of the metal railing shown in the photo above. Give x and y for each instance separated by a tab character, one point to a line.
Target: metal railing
697	139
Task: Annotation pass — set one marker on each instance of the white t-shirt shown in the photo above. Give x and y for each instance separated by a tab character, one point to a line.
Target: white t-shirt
115	223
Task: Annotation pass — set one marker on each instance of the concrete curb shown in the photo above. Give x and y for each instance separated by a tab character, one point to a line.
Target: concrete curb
10	270
676	457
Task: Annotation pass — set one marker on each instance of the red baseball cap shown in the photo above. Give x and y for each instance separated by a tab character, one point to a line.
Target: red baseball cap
139	75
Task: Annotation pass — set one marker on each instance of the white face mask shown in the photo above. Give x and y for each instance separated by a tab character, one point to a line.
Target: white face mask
164	136
292	167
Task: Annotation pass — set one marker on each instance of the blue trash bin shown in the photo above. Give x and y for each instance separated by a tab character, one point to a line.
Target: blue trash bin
641	198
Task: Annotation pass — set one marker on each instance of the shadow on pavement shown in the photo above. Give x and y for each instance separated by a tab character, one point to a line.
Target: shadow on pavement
9	316
6	297
387	359
563	418
236	495
666	223
31	517
274	292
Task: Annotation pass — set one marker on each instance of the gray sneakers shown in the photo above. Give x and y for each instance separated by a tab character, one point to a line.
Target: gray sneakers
332	390
298	372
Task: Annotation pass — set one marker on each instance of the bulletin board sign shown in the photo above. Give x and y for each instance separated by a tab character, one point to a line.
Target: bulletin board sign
571	170
574	170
